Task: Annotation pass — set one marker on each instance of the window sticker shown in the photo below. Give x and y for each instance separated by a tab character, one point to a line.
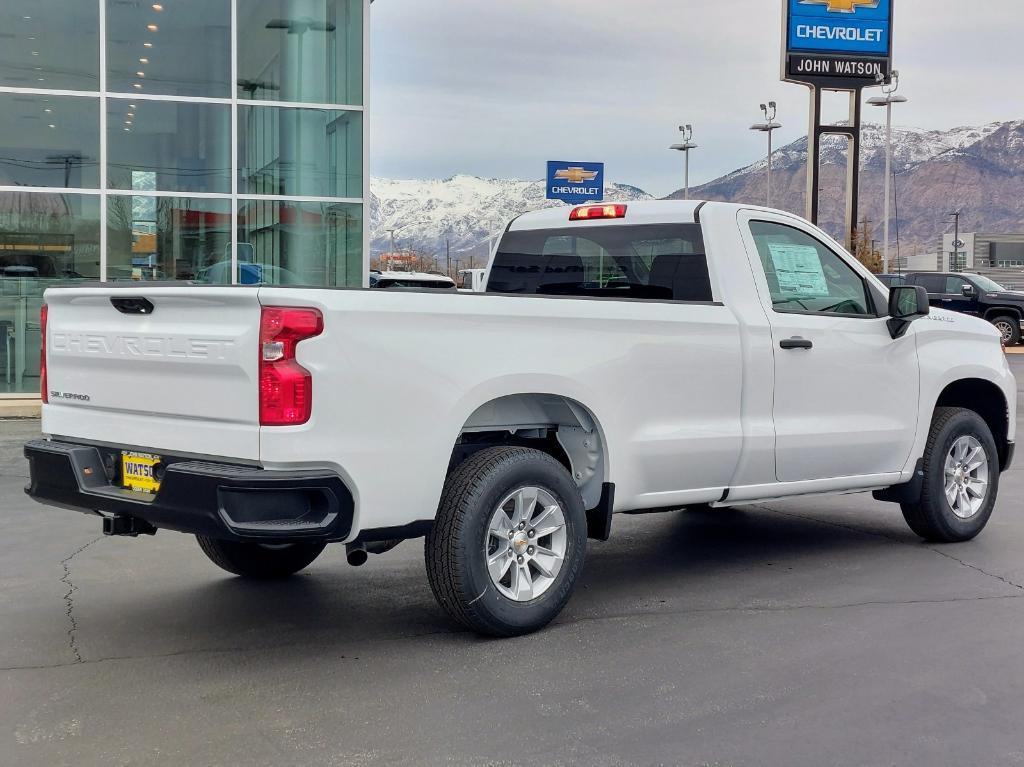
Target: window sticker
798	270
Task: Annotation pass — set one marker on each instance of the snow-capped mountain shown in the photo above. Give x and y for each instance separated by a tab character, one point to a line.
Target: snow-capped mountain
977	170
464	210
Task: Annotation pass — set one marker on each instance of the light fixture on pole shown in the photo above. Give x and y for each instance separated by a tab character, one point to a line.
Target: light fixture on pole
685	147
769	126
890	98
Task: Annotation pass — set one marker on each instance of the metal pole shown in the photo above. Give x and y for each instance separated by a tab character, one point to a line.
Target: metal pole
686	178
769	201
888	187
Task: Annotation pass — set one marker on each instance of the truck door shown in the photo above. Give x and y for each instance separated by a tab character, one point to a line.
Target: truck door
955	299
846	393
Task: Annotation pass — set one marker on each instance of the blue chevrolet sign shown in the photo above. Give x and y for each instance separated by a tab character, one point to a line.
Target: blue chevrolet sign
858	27
575	182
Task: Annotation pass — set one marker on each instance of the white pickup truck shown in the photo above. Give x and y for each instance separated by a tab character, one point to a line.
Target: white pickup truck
654	356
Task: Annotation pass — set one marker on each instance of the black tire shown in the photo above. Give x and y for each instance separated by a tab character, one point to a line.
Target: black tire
1009	328
932	517
260	560
456	548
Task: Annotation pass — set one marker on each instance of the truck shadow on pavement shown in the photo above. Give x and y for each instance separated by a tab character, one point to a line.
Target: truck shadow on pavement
722	559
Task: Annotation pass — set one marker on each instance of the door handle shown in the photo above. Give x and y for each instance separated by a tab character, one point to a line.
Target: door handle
796	343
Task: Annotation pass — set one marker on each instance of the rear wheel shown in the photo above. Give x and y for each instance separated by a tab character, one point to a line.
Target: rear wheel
508	542
260	560
1009	329
961	478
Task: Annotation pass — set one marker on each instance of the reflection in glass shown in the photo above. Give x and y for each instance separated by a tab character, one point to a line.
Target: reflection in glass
308	51
187	54
50	44
168	146
301	152
300	243
49	140
167	238
46	239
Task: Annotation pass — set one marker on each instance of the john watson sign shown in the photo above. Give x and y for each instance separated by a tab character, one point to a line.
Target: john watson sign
842	43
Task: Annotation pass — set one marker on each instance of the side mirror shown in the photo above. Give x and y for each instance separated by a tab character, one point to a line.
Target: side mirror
906	304
967	290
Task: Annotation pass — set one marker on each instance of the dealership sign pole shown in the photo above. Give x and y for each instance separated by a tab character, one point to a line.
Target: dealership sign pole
836	45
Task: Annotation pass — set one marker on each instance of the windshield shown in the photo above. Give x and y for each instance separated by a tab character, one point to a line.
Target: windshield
989	286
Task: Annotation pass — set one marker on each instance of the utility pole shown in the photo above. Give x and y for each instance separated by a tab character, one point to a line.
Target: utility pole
769	126
955	262
448	255
887	101
685	147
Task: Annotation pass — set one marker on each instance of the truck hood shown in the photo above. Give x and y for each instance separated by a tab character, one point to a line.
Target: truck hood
1013	296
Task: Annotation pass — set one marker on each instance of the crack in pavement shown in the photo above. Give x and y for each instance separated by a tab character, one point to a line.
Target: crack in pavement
892	539
69	602
656	613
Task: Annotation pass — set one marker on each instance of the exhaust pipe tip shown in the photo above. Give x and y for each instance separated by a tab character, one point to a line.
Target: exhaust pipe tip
356	554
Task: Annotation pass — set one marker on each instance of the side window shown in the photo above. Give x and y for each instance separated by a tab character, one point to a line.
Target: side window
933	283
804	275
955	285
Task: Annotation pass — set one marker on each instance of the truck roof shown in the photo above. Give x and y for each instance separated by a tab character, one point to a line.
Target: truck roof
637	212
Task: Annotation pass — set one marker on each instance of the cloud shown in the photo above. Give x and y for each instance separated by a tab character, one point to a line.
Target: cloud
497	87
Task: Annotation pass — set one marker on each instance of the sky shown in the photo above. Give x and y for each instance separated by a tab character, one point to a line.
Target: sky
495	88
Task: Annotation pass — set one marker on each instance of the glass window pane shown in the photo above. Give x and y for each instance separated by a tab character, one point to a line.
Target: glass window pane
804	275
50	44
300	152
182	49
49	140
168	238
309	51
168	146
45	239
300	243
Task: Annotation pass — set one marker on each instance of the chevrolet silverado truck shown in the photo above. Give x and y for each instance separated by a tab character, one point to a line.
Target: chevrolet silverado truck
977	295
624	358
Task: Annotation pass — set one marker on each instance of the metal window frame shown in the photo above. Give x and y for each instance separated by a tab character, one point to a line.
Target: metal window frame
104	192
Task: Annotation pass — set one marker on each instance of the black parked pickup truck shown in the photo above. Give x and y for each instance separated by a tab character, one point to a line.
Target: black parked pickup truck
977	295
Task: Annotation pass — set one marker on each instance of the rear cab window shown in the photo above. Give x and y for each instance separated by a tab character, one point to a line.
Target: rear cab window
661	262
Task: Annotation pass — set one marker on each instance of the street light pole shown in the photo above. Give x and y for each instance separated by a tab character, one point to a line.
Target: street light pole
685	147
890	98
769	126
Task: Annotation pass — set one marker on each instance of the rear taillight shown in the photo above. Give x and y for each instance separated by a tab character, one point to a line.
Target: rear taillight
593	212
44	390
286	388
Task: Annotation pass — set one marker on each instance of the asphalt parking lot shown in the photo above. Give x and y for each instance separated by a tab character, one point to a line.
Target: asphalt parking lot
816	632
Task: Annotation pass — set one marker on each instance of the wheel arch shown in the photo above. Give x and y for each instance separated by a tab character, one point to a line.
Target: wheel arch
998	311
556	424
987	400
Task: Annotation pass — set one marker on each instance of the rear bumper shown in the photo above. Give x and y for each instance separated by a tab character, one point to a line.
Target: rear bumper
241	503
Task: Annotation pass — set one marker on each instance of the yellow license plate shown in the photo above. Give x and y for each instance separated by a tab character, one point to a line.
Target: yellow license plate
138	472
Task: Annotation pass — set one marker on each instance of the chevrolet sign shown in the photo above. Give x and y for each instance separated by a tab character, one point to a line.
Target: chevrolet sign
575	182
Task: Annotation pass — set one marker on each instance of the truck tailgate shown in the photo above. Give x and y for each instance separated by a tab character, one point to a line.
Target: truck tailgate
170	368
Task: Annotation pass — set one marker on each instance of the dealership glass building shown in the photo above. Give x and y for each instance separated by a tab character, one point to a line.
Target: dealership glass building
218	141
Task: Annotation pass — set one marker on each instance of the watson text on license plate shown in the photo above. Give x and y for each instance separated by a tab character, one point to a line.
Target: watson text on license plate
138	472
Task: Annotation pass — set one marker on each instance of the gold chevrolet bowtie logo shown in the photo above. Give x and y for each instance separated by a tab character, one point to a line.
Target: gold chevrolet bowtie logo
575	175
842	6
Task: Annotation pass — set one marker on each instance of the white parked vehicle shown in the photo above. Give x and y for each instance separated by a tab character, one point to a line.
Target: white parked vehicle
473	280
414	280
659	355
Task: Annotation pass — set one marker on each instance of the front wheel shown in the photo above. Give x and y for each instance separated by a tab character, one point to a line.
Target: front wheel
508	542
260	560
961	478
1009	329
